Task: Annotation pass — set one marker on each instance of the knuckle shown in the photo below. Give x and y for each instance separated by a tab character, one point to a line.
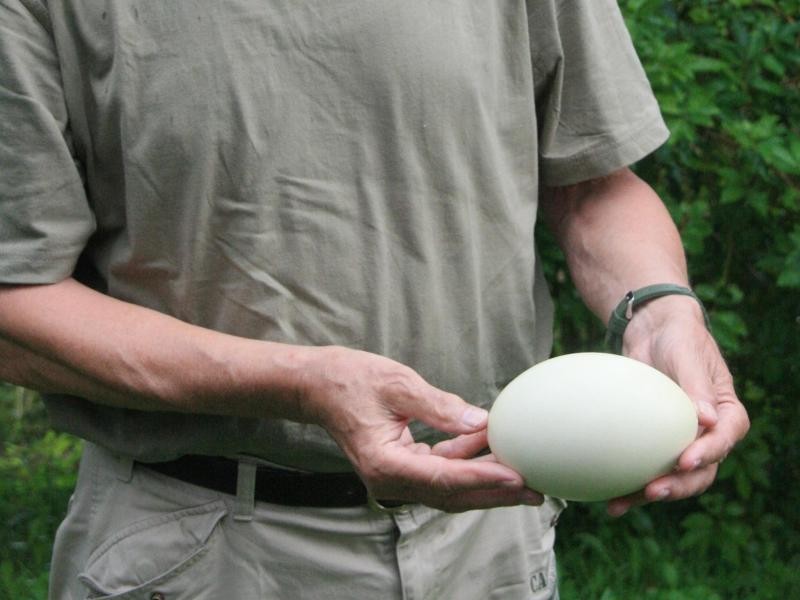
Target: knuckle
745	426
401	382
444	405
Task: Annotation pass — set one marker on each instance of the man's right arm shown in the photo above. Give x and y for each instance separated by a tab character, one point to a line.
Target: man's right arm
67	338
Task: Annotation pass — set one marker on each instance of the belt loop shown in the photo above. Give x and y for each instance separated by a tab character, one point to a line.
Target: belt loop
245	491
123	467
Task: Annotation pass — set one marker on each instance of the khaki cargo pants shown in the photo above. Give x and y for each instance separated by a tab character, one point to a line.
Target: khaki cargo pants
134	534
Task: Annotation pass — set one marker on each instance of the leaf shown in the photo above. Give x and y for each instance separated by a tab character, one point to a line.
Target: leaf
790	276
592	542
704	64
697	521
729	329
706	292
726	470
731	194
670	574
790	272
773	65
777	154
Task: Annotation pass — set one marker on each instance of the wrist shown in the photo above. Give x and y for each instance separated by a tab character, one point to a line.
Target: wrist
256	379
298	371
317	376
654	314
636	303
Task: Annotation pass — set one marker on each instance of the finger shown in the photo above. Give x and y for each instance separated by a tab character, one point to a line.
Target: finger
463	446
412	397
681	484
402	475
669	487
717	442
619	506
447	412
406	438
407	441
489	456
693	374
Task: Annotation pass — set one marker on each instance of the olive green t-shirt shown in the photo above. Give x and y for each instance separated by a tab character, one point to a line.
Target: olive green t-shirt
352	172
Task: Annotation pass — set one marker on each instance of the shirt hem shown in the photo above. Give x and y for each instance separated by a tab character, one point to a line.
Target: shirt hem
602	159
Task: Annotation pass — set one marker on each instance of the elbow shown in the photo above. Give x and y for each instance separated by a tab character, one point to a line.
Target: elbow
15	367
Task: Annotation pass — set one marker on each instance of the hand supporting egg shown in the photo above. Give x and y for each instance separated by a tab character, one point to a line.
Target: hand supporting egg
591	426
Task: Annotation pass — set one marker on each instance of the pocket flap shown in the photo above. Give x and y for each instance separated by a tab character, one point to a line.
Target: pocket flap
150	549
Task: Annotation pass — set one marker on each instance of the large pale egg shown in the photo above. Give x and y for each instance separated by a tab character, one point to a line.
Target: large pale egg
591	426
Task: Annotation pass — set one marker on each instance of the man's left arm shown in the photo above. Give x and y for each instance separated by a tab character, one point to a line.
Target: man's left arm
618	236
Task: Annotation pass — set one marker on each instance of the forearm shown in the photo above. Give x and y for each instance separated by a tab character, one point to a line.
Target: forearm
617	236
68	338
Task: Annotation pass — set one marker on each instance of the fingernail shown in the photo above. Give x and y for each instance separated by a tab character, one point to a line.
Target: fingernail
511	483
663	494
474	416
697	462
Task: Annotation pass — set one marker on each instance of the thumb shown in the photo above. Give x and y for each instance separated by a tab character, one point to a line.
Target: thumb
692	374
446	412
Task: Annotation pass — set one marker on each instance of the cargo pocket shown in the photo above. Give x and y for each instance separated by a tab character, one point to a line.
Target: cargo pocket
158	557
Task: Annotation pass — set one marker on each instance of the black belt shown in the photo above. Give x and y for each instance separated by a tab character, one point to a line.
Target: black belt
278	486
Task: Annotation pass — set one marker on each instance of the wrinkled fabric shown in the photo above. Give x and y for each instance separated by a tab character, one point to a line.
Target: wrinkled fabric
352	172
135	534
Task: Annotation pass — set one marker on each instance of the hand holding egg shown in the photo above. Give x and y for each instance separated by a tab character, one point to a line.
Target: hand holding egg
591	426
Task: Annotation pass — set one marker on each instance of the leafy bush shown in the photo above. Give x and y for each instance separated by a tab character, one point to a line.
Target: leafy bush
727	75
37	475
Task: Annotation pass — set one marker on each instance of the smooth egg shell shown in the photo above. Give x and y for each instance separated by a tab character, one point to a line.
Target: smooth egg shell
591	426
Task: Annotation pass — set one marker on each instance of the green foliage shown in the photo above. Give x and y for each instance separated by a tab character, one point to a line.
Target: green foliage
37	474
727	75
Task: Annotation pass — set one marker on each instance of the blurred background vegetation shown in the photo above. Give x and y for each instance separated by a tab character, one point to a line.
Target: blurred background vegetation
727	74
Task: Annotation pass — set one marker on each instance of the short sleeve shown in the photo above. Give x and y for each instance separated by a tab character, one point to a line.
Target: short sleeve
596	111
45	219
